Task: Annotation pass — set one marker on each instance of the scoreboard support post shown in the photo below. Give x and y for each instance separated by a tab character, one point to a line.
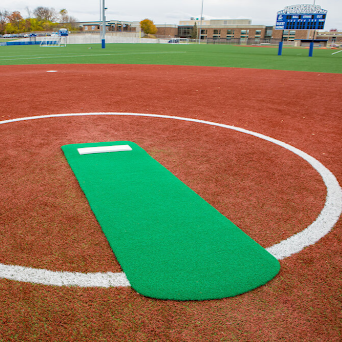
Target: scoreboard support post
311	49
280	48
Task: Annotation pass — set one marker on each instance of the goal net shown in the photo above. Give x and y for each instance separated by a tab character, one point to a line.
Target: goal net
53	42
178	41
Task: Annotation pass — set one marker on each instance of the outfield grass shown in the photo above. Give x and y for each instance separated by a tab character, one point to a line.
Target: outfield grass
2	40
323	60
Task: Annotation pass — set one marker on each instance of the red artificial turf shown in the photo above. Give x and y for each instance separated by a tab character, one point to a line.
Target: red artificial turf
266	190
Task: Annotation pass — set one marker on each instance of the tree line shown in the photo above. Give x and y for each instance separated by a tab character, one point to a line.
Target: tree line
41	19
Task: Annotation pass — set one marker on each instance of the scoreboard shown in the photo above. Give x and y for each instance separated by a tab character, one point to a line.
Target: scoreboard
300	21
301	17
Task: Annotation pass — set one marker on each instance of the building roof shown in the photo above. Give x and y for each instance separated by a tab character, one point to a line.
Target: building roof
216	22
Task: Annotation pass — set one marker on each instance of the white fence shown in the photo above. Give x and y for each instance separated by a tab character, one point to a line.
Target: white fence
129	37
112	37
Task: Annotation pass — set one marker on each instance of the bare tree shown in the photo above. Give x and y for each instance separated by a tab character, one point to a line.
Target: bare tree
28	11
72	21
4	16
65	18
45	14
3	20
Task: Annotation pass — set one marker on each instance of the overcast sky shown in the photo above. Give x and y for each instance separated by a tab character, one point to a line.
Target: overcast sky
262	12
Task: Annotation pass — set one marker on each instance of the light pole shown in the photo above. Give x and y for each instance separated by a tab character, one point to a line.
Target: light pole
103	31
200	25
312	44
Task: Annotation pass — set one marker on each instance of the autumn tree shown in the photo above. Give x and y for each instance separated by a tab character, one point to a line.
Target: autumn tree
35	24
27	25
14	19
44	19
148	26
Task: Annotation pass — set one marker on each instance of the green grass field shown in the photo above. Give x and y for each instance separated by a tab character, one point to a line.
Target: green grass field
323	60
2	40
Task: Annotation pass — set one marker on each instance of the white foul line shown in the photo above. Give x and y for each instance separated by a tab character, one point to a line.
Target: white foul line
294	244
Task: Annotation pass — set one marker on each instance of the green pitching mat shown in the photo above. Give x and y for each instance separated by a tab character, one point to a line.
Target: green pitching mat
169	241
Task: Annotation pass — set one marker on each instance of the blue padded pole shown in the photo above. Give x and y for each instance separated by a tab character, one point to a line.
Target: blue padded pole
280	49
311	49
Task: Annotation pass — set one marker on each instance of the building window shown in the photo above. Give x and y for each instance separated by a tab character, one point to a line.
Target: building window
185	31
244	35
217	31
203	31
86	28
258	32
269	31
93	28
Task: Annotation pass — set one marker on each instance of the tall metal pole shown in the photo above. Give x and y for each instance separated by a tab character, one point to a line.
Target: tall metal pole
103	31
314	30
312	44
199	29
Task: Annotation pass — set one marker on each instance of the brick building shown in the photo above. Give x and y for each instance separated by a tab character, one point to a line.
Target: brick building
217	31
111	26
332	36
167	31
238	30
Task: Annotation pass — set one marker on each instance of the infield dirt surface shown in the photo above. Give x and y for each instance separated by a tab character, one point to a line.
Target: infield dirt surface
266	190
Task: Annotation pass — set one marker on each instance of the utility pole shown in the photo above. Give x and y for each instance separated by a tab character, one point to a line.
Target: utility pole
312	44
200	25
103	30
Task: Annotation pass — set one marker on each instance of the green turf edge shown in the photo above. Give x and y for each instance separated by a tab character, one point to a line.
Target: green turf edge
295	59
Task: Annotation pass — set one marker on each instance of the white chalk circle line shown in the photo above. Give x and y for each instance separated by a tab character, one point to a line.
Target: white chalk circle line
320	227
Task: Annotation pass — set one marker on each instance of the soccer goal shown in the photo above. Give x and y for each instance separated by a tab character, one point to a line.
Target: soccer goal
53	42
178	41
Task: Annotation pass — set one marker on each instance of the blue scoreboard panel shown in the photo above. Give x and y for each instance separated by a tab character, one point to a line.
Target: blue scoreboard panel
301	17
300	21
